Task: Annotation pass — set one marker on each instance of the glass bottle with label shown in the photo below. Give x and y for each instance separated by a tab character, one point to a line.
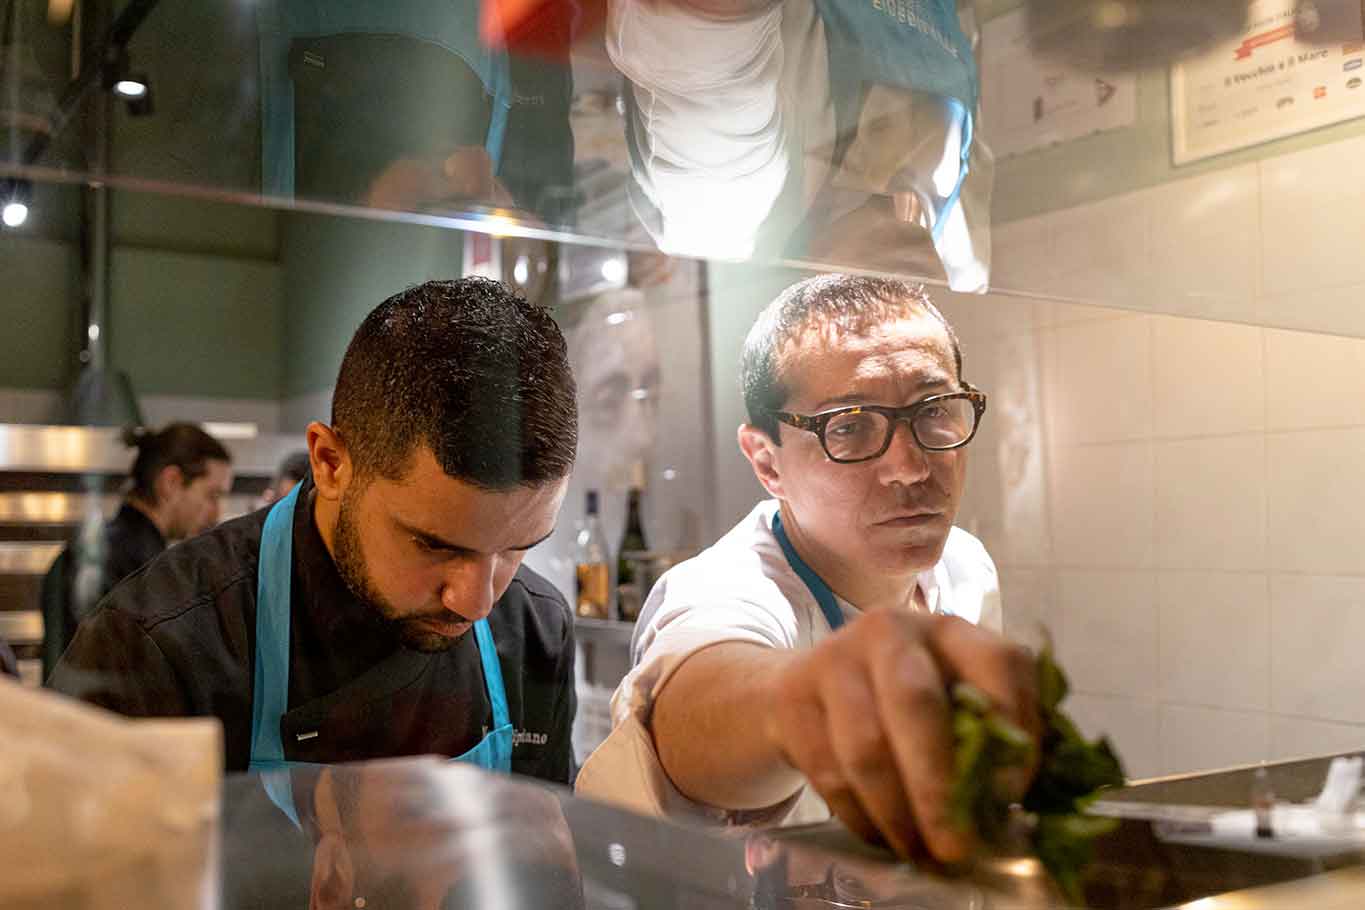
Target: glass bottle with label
630	593
592	565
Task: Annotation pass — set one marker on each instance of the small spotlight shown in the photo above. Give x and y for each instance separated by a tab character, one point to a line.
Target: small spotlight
14	214
131	89
14	199
614	270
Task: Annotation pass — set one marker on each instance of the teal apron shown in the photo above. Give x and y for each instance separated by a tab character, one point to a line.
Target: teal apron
908	44
270	693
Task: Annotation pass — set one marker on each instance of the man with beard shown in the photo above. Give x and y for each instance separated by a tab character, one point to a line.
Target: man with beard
381	608
801	665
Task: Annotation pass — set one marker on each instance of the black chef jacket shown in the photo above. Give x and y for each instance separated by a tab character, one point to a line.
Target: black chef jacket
131	541
178	639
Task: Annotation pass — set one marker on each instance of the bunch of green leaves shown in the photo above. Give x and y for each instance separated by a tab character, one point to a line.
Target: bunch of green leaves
1071	771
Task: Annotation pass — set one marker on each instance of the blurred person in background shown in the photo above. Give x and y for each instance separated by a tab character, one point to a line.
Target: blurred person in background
177	484
291	473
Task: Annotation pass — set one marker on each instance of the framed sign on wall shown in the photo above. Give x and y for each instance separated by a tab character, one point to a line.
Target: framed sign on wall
1297	66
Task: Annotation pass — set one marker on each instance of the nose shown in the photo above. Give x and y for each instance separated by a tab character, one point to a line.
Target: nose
467	590
904	462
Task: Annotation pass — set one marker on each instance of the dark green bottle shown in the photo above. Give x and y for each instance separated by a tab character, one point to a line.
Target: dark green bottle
629	589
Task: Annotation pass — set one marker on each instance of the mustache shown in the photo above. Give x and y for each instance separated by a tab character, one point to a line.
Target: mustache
926	501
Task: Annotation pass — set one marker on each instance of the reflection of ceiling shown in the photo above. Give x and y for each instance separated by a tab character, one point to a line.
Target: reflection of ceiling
203	62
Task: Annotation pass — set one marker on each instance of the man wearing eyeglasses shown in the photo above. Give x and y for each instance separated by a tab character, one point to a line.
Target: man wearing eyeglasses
799	667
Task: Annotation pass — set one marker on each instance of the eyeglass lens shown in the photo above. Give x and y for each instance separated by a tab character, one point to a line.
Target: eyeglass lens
862	434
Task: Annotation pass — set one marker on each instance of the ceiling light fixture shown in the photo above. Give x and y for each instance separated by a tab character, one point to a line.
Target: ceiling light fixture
15	196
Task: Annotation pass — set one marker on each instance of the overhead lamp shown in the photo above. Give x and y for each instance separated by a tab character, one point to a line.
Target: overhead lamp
132	88
15	196
135	89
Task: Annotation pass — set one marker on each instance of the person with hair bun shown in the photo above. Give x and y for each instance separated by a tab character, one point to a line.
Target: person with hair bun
176	485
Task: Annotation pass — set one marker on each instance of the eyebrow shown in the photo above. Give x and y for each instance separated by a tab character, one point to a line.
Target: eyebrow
439	543
854	398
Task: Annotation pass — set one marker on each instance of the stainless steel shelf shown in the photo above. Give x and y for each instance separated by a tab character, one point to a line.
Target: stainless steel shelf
100	450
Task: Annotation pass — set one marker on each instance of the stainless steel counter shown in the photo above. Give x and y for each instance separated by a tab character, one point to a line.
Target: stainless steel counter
425	833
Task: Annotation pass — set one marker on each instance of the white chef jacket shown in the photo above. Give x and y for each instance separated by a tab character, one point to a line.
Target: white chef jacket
743	589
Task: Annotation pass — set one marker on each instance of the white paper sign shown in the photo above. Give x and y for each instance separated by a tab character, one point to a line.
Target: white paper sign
1029	103
1297	66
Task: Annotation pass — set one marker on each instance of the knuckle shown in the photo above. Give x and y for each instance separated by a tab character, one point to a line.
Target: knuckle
867	752
913	680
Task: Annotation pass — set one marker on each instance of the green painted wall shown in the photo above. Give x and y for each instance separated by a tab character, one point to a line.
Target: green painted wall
1120	161
338	269
38	283
196	305
191	324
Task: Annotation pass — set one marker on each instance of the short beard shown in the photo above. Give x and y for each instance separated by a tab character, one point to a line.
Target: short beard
351	565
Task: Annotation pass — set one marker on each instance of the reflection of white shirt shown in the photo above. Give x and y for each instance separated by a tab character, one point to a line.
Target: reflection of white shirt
725	126
743	589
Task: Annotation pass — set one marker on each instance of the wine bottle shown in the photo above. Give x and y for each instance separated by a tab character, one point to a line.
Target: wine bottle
629	585
591	565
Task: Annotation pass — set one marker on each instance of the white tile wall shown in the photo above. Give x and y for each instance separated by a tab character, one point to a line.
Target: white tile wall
1097	381
1206	739
1211	503
1294	737
1189	398
1024	257
1102	251
1215	639
1051	314
1101	502
1317	500
1337	309
1105	630
1016	420
1317	639
1309	380
1187	520
1305	243
1204	243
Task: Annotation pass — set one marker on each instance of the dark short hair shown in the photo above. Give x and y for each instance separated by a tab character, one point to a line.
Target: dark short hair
183	445
470	370
844	302
295	467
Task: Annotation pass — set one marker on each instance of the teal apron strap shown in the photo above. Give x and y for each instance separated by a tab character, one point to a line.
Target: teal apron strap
270	680
492	673
818	589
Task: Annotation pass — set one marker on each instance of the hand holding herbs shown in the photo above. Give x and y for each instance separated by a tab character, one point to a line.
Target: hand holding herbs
1071	771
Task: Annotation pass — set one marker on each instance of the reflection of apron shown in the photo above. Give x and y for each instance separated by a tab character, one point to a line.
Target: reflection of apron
270	693
450	24
907	44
